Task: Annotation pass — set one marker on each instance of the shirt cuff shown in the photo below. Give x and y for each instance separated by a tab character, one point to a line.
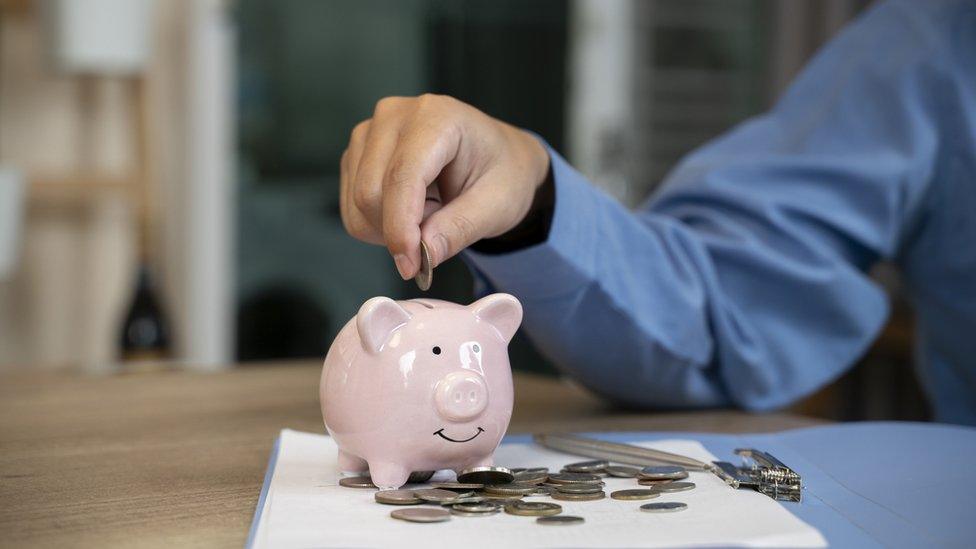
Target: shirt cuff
563	263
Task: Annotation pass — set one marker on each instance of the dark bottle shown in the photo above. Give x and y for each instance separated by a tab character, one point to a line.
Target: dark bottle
145	331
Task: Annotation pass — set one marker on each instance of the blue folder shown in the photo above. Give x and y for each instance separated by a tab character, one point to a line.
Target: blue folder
865	484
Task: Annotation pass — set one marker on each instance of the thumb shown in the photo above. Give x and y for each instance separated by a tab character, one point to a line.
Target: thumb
478	213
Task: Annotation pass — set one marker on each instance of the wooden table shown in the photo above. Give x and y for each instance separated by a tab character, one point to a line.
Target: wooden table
174	458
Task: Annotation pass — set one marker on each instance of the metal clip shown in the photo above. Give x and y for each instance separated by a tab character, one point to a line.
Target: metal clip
764	473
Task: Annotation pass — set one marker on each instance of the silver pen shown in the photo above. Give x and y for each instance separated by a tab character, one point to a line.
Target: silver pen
620	453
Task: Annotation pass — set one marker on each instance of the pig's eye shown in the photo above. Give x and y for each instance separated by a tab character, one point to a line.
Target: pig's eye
476	348
436	350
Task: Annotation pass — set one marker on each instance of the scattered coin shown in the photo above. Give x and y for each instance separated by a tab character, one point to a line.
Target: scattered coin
583	488
356	482
460	513
593	466
397	497
543	490
464	499
622	471
536	470
486	475
578	497
663	472
573	478
533	509
478	507
458	486
501	500
421	514
664	507
511	489
419	477
560	519
635	494
438	495
426	273
531	477
650	482
675	487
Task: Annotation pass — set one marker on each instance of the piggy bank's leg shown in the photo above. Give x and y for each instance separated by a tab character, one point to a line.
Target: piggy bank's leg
350	464
387	475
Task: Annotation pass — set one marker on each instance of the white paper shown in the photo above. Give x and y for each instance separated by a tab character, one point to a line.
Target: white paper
305	507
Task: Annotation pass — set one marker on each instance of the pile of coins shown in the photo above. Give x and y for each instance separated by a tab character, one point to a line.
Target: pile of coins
485	491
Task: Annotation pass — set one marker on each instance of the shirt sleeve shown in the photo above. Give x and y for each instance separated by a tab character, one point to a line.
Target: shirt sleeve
743	280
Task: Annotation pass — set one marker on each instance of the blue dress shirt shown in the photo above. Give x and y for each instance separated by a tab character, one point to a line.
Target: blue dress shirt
743	281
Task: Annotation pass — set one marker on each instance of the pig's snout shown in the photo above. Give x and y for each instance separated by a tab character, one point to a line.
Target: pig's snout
461	396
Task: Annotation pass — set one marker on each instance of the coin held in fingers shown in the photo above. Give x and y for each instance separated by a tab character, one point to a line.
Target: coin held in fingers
426	273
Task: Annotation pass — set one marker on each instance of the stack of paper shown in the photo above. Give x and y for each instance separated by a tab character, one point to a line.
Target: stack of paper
303	506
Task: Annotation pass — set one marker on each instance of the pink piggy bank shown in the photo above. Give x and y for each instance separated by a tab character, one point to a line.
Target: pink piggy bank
420	385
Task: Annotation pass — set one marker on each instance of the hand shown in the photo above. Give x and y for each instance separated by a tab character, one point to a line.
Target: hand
437	169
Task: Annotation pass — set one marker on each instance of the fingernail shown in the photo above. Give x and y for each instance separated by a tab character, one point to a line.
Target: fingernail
403	265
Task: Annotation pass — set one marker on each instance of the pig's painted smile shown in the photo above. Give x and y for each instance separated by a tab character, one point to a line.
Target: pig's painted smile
440	433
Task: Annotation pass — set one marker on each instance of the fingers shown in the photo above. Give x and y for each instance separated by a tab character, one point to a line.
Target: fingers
378	147
427	146
353	219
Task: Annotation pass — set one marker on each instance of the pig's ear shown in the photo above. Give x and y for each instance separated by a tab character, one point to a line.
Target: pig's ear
376	321
502	311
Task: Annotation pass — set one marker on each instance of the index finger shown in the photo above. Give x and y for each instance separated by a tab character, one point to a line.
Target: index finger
425	148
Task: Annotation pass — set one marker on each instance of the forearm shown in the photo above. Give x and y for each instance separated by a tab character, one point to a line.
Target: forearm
591	304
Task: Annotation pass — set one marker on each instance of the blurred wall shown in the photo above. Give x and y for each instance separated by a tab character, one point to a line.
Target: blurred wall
72	138
76	138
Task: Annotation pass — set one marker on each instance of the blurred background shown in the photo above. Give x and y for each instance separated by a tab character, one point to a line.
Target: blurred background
169	169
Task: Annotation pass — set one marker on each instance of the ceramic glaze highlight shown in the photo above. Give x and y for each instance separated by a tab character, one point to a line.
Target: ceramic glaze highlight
420	385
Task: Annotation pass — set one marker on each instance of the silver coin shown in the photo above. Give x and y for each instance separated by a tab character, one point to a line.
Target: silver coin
622	471
419	477
664	507
356	482
663	472
562	496
573	478
533	509
652	482
501	500
532	477
426	273
397	497
533	470
560	520
544	490
486	475
437	495
583	488
478	507
675	487
461	513
458	486
421	514
511	489
463	499
592	466
559	484
634	494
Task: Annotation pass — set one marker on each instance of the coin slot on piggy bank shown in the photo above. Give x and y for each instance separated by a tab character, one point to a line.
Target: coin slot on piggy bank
420	385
